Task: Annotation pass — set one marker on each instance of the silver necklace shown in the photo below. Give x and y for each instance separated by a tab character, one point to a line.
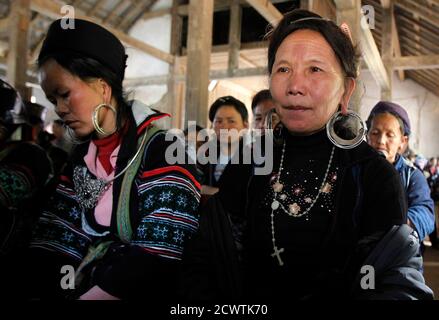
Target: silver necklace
293	211
88	189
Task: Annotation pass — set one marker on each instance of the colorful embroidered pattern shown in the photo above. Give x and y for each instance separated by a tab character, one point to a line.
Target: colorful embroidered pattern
14	186
168	200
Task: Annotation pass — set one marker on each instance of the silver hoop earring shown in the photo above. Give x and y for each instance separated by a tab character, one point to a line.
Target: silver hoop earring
95	118
346	131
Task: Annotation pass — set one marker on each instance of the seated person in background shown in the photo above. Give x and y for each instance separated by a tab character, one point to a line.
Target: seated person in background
262	104
229	119
120	215
25	170
389	131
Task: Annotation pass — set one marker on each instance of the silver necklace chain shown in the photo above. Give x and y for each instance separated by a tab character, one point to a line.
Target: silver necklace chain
275	205
88	189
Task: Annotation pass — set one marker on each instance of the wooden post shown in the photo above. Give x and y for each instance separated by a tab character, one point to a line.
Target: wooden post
174	103
349	12
387	49
234	35
198	60
306	5
325	8
17	61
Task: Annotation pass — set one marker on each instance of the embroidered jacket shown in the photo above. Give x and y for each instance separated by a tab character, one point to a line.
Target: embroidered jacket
163	215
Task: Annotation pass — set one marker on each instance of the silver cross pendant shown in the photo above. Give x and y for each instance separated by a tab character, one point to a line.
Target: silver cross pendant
276	254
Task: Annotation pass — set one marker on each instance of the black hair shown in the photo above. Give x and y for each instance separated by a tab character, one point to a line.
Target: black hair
228	101
340	43
87	69
261	96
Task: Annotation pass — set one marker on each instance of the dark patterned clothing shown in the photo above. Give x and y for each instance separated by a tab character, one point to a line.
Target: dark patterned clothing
320	248
25	170
163	215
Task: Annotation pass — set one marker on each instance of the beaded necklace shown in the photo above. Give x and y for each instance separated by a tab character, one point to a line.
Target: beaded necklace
293	212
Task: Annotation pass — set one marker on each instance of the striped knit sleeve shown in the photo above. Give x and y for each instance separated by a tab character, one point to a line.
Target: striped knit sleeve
167	210
58	229
169	196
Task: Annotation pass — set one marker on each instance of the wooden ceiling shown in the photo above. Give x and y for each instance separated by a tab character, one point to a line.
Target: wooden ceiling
417	24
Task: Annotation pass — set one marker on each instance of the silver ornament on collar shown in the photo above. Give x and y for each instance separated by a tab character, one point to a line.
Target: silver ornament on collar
88	189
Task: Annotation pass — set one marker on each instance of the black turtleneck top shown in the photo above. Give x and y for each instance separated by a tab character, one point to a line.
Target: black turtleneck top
305	163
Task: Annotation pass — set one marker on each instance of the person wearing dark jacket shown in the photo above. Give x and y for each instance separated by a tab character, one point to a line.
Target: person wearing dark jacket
229	119
389	131
120	214
306	220
25	172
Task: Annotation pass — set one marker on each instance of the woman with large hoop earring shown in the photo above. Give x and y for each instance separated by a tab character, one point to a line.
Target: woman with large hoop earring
121	214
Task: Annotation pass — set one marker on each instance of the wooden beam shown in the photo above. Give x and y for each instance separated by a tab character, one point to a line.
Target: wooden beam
127	15
427	14
17	61
416	62
52	10
198	60
244	46
372	57
267	10
396	46
115	11
234	35
156	14
345	4
385	3
131	18
247	61
175	89
96	7
213	75
306	5
4	24
327	9
387	49
349	12
240	73
230	85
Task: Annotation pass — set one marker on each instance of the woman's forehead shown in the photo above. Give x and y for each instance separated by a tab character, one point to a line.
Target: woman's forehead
227	110
386	119
311	42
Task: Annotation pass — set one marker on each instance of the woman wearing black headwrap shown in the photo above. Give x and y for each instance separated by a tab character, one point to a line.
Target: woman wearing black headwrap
121	214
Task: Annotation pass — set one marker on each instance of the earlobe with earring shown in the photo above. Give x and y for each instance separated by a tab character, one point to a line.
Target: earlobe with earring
346	131
95	118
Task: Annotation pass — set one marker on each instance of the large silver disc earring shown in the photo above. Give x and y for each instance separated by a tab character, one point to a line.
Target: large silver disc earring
95	118
346	131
